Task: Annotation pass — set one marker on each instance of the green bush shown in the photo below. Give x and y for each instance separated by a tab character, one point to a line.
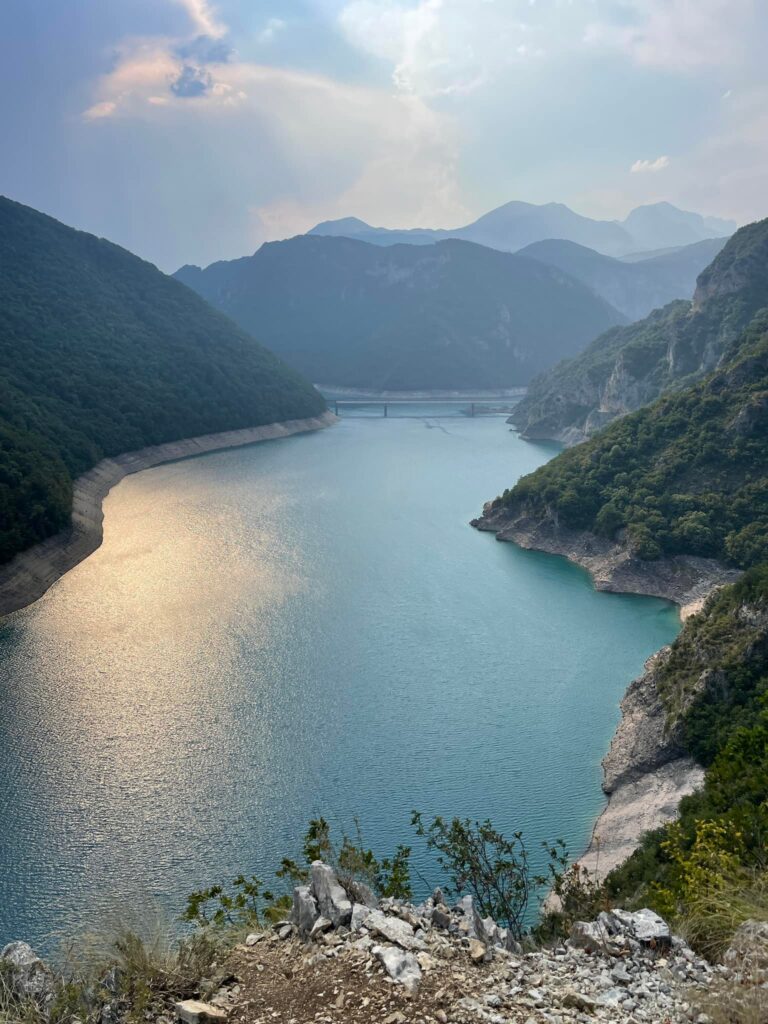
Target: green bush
714	685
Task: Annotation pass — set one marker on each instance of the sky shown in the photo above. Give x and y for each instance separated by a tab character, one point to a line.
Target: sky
194	130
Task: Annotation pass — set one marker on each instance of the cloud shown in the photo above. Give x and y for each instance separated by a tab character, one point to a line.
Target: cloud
299	147
445	47
192	82
205	50
105	108
203	18
439	47
270	30
681	35
724	174
650	166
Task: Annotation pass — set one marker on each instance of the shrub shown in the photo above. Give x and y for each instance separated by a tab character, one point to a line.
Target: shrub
248	905
477	858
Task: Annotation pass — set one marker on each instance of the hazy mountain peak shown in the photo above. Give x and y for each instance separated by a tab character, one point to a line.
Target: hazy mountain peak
660	225
516	224
344	226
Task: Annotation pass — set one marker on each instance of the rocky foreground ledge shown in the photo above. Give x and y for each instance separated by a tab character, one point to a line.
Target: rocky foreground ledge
344	957
27	577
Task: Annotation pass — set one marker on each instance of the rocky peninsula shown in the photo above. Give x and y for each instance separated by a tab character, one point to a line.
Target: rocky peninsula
27	576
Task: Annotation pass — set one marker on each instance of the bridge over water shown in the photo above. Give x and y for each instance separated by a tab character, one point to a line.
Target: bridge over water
433	406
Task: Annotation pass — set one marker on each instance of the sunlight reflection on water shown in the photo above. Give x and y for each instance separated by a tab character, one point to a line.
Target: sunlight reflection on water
301	626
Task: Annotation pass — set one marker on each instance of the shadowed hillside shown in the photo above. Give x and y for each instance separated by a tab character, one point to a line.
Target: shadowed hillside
449	315
100	354
634	288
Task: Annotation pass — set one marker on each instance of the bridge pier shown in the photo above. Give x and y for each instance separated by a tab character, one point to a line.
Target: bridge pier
385	410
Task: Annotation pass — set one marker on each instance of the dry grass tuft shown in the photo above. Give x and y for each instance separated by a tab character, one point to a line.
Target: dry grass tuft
709	924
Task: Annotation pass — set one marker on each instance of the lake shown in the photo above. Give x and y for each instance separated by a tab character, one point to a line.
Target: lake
299	627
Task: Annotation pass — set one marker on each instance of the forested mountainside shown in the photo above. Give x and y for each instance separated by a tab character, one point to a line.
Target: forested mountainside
630	366
686	475
634	288
713	683
450	315
101	353
514	225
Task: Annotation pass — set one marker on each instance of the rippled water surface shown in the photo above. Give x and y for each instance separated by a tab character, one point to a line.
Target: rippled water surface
302	626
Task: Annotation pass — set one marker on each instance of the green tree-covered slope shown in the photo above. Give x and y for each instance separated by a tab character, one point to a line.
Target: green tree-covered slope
714	685
685	475
450	315
630	366
100	353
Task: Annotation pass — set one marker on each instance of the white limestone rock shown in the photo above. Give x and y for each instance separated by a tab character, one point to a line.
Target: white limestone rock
305	912
332	900
29	976
402	966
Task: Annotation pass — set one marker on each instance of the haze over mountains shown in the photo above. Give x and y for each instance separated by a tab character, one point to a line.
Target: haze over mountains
447	315
633	287
627	367
515	225
365	307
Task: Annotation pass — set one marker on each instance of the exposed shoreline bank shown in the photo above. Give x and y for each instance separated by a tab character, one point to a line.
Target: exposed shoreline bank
645	773
32	572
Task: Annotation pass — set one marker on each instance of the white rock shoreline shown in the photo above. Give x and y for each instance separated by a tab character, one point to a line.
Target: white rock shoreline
30	574
645	775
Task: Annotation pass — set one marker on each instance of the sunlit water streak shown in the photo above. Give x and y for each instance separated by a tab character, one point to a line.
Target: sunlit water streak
300	626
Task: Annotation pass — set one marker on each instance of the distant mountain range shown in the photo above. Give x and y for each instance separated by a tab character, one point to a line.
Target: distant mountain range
100	354
628	367
446	315
633	287
515	225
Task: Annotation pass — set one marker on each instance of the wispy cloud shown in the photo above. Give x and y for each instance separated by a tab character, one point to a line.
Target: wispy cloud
270	30
441	47
650	166
342	147
203	18
680	35
105	108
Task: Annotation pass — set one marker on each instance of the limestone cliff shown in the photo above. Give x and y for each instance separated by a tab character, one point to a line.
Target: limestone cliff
628	367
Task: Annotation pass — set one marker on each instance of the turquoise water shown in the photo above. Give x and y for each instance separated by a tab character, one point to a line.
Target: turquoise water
302	626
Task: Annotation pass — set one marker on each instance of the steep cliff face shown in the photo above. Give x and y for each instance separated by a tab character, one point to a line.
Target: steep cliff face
628	367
